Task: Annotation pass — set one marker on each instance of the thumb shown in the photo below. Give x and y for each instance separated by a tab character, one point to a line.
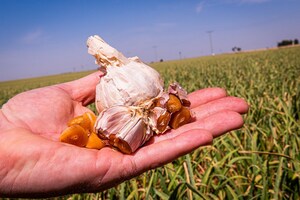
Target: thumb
83	89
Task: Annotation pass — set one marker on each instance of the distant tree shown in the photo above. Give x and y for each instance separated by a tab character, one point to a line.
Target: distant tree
236	49
285	43
296	41
161	60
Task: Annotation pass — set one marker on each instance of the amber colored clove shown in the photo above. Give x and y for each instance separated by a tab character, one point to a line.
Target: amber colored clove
180	118
119	144
173	104
163	121
91	117
84	122
94	142
80	132
75	135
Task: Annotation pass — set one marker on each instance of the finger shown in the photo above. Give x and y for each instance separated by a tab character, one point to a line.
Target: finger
160	153
83	89
228	103
218	123
203	96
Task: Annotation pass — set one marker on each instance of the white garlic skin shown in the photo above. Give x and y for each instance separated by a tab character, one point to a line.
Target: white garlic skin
131	85
127	123
127	81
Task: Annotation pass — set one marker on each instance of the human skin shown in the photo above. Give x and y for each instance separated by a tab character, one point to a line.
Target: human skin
33	163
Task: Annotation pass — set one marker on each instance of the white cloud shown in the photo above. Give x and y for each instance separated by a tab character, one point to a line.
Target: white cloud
32	37
199	7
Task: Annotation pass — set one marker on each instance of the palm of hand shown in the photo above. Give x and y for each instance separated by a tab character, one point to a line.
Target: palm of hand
36	164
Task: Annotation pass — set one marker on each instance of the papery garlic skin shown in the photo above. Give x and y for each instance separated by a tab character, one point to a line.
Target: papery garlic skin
127	81
125	123
129	85
105	54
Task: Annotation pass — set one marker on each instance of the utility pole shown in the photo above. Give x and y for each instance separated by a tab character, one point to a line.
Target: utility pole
210	42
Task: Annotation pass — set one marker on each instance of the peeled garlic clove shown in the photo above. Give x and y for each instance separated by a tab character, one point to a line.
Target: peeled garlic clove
173	104
124	127
94	142
86	121
181	117
79	121
75	135
91	117
120	144
181	93
159	119
127	81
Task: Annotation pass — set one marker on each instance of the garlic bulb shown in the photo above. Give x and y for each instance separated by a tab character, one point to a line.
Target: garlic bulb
131	101
125	78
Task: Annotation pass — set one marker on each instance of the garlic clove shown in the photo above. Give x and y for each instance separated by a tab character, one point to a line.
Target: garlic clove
181	117
162	100
123	127
111	120
133	134
75	135
173	104
94	142
159	119
181	93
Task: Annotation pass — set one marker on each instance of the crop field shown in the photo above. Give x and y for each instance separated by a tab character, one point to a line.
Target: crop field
259	161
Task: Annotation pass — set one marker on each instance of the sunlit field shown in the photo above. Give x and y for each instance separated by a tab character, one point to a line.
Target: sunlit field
259	161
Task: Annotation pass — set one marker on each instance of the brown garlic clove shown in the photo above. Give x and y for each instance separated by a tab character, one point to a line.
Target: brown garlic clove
180	118
163	121
120	144
79	120
181	93
123	146
91	117
173	104
86	121
75	135
186	102
94	142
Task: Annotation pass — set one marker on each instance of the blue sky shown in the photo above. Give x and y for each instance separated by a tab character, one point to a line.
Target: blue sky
43	37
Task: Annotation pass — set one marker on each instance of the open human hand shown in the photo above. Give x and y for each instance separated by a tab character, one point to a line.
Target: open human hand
33	163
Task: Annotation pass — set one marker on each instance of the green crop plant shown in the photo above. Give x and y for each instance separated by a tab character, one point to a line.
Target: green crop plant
259	161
